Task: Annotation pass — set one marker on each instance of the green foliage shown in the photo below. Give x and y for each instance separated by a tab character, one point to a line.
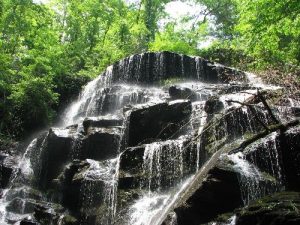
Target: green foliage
32	101
270	30
225	53
49	51
223	13
172	40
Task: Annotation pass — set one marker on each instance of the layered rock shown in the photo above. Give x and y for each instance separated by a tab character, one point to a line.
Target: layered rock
157	122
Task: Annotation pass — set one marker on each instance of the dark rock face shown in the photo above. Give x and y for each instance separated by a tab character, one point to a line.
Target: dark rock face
160	121
290	148
101	144
29	222
7	166
149	68
55	155
219	193
280	209
71	182
83	195
20	206
100	123
177	92
213	105
131	165
47	214
296	111
222	129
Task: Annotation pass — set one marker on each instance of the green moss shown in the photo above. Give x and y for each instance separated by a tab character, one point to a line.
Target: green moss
171	81
282	203
69	220
224	217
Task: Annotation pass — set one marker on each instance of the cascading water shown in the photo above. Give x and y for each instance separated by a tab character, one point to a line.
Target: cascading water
100	174
250	178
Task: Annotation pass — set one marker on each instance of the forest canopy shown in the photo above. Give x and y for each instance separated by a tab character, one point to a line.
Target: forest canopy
49	50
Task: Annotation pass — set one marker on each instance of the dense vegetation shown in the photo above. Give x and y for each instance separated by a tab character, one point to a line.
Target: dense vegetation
48	51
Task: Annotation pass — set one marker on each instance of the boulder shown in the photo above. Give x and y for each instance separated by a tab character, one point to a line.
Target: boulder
296	111
24	192
234	88
71	180
160	121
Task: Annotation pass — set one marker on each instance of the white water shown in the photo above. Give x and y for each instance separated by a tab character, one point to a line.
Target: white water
269	146
252	181
23	168
88	94
162	157
108	173
152	207
250	178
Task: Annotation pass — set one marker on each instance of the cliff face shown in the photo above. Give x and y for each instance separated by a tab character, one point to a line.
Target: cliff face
159	138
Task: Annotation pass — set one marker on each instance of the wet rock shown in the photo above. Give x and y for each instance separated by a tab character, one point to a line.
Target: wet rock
71	180
48	213
101	144
177	92
213	105
149	68
127	197
280	209
24	193
7	165
101	122
55	155
175	159
132	159
83	191
219	193
21	206
234	88
160	121
231	125
29	222
296	111
290	148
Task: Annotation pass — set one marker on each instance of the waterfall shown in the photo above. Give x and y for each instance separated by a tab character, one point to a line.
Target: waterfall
152	207
105	174
23	170
249	177
163	164
91	171
255	183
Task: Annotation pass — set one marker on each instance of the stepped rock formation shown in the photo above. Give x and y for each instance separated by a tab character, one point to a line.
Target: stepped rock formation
161	138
